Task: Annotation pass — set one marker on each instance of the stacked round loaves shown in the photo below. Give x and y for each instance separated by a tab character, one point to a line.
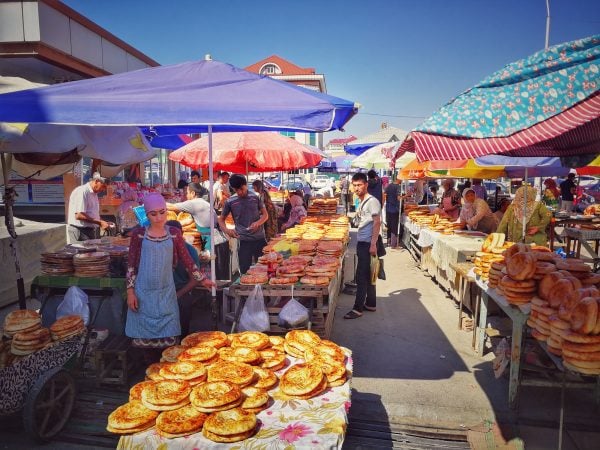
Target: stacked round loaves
216	383
565	302
24	334
305	268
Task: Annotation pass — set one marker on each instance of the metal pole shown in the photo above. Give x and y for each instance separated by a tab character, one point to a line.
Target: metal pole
9	199
524	204
211	197
547	24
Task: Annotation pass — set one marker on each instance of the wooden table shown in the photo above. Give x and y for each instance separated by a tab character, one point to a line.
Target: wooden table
566	223
519	317
322	309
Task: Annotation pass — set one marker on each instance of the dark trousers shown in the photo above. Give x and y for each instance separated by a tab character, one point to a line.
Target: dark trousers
392	220
83	233
186	303
248	250
365	291
222	253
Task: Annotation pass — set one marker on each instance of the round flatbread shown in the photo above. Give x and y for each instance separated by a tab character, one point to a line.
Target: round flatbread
238	373
203	354
170	354
265	378
214	394
231	422
180	422
215	339
301	379
166	392
131	415
135	393
240	354
184	370
250	339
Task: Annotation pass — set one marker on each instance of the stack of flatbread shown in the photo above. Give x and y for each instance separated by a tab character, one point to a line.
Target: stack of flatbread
330	248
216	339
191	371
216	396
131	418
180	422
233	425
255	399
298	341
21	321
66	326
166	395
303	381
27	342
95	264
330	357
56	263
239	373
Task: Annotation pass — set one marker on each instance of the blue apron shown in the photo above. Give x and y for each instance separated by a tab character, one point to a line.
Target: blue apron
158	312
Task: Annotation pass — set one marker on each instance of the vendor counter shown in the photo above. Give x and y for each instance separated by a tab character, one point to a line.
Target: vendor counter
437	252
33	238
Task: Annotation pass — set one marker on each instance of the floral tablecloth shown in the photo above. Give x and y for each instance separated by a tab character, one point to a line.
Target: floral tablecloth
318	423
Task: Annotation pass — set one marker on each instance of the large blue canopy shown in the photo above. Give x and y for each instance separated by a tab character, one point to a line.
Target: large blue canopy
181	98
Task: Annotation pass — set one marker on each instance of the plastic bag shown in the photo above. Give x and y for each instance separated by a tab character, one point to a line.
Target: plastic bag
254	316
75	302
293	314
374	268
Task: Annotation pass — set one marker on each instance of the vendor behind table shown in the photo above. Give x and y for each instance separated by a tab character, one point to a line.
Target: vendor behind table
84	210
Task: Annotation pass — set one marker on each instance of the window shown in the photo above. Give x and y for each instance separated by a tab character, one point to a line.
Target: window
312	139
291	134
270	69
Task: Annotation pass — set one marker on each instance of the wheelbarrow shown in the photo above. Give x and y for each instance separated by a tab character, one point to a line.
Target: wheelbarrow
42	388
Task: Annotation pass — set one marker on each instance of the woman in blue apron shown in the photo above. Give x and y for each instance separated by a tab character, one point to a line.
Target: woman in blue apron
153	315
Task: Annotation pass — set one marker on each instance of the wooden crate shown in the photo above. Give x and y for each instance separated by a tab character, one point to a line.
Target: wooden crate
114	361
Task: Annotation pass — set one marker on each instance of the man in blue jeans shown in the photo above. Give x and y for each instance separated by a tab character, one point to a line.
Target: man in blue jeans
249	215
369	223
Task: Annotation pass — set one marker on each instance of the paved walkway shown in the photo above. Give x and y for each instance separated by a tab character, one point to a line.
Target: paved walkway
415	370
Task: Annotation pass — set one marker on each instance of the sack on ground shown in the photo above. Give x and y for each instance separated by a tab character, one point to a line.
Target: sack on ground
293	314
75	302
381	271
254	316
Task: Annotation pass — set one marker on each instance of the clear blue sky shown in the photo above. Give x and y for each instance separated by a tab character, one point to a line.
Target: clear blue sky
395	57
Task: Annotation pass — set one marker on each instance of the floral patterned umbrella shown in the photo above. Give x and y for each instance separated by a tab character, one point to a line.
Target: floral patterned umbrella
545	105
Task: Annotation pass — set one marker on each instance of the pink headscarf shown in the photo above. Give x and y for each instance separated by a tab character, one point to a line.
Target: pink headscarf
154	201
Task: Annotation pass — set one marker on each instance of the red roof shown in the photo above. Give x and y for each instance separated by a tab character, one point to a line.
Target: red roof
287	68
342	141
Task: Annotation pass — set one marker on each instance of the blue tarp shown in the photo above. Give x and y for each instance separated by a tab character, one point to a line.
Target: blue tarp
536	166
359	149
178	99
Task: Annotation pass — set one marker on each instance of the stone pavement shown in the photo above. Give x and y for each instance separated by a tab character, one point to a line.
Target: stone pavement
415	371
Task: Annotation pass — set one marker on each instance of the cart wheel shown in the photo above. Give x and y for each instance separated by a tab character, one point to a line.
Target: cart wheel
49	404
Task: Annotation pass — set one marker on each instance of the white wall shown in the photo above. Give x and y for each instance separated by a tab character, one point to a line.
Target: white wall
38	22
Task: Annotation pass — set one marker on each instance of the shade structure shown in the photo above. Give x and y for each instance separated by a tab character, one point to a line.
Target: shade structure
194	97
339	164
378	157
185	98
545	105
248	152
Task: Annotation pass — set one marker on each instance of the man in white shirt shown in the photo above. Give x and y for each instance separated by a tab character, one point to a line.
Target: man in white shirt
221	190
83	219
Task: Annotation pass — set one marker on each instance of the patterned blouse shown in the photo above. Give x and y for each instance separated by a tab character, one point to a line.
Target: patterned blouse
179	251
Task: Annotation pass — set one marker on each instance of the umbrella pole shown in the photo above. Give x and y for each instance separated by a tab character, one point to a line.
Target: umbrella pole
525	204
211	197
9	199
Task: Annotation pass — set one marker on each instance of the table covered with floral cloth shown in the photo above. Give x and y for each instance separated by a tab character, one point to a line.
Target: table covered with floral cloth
317	423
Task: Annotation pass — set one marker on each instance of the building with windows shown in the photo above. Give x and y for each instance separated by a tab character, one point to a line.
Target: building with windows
336	146
306	77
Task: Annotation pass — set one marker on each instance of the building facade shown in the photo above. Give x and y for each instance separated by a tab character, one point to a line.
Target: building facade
276	67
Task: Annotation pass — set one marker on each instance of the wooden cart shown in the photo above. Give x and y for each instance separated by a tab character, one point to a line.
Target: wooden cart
42	388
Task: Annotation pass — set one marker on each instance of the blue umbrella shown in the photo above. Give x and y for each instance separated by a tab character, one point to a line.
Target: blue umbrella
192	97
182	98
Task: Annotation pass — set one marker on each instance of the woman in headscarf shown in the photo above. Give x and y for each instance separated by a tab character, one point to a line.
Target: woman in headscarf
271	223
153	315
126	218
475	213
450	202
526	209
296	213
551	193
